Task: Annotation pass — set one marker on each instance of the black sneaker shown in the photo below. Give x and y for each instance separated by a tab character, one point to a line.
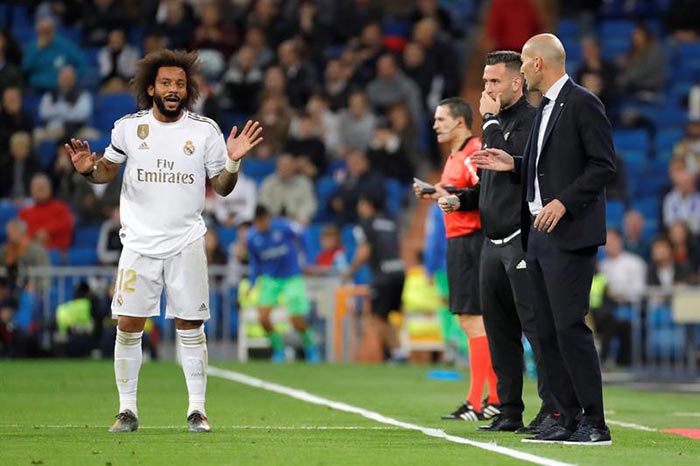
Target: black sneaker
126	422
555	434
542	421
464	412
589	435
197	422
502	423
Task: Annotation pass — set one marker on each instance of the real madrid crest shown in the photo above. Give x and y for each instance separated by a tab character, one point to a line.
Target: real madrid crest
188	148
142	131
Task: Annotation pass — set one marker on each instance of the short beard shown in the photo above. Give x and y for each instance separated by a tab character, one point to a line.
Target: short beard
164	111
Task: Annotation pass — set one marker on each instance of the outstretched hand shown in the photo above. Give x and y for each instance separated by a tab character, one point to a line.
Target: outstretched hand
493	159
81	156
238	146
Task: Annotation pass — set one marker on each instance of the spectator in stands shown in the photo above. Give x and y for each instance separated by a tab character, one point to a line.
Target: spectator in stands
49	220
306	147
300	74
49	53
352	16
20	252
356	123
688	148
17	171
685	248
683	202
367	49
75	323
274	113
331	259
264	14
241	83
324	122
509	24
336	84
625	275
215	33
256	39
287	193
212	248
387	155
13	117
66	111
109	244
152	42
598	76
419	70
239	206
633	235
392	86
440	56
663	271
175	22
401	123
683	20
433	9
643	68
206	104
117	61
10	61
8	328
99	18
312	29
359	180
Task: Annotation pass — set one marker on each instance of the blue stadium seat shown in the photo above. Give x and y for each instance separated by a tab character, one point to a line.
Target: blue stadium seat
311	239
631	139
81	255
325	186
614	212
258	169
111	107
667	138
8	211
227	235
649	207
56	257
46	154
613	47
392	26
394	197
635	160
568	29
86	236
30	104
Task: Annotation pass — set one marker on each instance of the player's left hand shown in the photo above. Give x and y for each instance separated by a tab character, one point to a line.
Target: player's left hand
550	215
238	146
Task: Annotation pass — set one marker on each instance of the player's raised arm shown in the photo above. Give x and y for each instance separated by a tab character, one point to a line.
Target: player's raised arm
86	163
237	146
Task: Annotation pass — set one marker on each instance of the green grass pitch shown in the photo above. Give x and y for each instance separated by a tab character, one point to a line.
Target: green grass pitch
58	412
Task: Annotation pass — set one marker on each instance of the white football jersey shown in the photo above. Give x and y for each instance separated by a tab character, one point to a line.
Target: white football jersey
162	193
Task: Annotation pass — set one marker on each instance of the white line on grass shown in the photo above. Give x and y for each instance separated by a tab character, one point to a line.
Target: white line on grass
687	414
631	425
218	427
431	432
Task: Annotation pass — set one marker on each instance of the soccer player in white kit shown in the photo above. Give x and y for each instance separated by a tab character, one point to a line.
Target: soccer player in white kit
169	153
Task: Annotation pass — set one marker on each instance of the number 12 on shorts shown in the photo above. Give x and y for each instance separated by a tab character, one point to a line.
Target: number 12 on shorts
126	280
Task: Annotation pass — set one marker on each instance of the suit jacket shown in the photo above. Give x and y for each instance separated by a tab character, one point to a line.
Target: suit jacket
576	162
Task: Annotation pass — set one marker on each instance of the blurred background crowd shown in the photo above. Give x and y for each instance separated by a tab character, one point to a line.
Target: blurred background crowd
345	91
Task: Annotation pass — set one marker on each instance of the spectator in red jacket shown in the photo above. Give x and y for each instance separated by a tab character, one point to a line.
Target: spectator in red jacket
49	220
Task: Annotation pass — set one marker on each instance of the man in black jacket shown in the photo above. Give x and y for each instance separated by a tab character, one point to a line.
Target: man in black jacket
568	160
508	118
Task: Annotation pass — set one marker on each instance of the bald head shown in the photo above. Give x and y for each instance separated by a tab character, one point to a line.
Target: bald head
544	61
548	47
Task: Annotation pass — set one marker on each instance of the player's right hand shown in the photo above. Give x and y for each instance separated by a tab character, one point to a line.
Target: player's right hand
81	156
449	203
493	159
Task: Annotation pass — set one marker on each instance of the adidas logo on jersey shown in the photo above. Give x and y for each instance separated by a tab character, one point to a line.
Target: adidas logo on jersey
521	265
143	146
203	308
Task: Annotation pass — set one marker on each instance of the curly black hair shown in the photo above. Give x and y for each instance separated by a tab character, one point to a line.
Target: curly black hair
147	70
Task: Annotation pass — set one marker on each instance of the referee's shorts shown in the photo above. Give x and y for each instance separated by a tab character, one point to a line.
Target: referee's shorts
463	255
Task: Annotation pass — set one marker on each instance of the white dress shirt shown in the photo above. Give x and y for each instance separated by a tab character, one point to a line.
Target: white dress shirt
552	94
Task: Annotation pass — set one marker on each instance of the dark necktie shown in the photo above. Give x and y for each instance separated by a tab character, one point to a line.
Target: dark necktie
532	156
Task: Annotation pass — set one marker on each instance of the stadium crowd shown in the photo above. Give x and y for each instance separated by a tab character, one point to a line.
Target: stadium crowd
344	90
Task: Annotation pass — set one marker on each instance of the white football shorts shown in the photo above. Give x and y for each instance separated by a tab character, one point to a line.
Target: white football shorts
140	281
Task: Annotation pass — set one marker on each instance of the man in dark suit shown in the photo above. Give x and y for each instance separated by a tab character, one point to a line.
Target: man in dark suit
567	162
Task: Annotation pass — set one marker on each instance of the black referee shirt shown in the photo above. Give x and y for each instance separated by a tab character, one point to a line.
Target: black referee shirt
382	235
496	196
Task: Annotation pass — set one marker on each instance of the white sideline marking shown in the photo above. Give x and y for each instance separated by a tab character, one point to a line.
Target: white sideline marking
218	427
431	432
687	414
631	425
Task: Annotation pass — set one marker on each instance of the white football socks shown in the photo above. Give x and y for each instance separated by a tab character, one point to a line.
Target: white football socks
193	351
127	363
